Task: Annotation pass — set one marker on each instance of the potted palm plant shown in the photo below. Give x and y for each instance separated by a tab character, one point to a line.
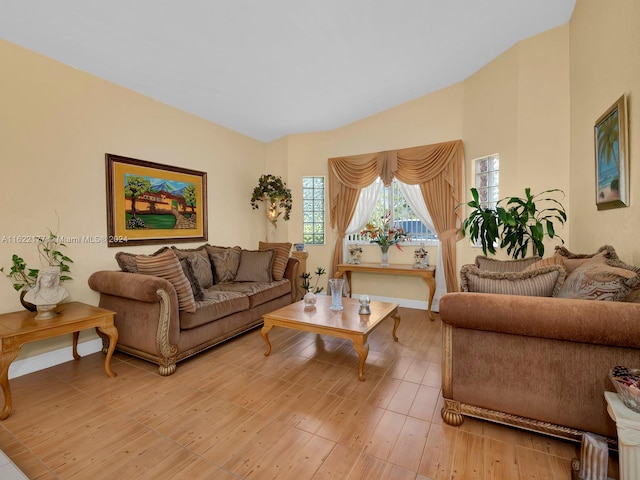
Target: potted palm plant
515	222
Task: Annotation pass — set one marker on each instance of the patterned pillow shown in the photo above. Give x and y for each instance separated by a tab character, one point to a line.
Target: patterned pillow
543	282
166	265
280	257
127	261
496	265
199	262
597	280
545	262
225	262
198	294
572	261
255	266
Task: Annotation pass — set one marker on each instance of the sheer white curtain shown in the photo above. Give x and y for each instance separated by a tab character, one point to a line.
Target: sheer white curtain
364	209
413	196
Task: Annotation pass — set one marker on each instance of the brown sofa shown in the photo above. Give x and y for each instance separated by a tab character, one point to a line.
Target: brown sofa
162	319
535	362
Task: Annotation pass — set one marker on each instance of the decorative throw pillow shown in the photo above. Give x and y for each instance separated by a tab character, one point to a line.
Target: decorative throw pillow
280	257
597	280
225	260
166	265
198	294
545	262
496	265
542	282
200	263
255	266
127	261
572	261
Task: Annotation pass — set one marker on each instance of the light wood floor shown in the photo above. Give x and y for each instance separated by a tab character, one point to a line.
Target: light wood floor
299	414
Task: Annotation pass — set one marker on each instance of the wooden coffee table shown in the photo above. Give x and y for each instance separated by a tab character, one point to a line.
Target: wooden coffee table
346	323
18	328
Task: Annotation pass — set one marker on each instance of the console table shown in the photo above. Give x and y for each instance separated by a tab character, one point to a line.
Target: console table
427	274
18	328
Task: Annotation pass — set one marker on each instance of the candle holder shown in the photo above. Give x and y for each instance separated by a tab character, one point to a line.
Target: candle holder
364	305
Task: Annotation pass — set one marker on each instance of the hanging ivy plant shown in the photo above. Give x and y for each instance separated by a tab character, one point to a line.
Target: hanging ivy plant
274	192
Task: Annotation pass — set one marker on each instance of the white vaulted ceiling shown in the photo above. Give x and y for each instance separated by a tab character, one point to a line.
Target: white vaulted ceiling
269	68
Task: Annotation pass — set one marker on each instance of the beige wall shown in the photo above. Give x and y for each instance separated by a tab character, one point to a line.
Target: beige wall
56	125
518	106
605	63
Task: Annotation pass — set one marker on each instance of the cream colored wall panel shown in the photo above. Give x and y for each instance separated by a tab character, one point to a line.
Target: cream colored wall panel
605	63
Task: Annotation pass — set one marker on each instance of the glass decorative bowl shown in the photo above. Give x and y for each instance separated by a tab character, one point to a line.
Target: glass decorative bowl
627	384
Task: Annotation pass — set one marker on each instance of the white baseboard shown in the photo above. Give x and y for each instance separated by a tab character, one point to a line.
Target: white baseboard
49	359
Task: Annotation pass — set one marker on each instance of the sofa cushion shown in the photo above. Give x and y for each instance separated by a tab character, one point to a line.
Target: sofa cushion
572	261
127	261
545	262
187	268
255	266
166	265
257	292
225	260
597	280
280	257
496	265
200	263
216	304
542	282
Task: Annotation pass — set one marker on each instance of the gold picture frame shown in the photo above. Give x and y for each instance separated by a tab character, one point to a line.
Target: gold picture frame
150	203
611	155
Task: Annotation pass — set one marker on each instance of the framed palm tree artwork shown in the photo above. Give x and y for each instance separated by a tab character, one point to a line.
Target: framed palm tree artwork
612	160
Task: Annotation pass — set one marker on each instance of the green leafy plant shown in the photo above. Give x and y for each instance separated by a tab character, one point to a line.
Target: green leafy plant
274	192
306	281
49	251
515	222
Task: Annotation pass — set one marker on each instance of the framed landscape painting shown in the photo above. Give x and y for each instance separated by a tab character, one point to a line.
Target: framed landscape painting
612	167
151	203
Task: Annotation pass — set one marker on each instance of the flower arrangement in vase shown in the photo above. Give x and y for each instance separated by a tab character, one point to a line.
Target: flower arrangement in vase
385	235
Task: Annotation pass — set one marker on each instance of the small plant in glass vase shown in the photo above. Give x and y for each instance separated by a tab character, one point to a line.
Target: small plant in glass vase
310	292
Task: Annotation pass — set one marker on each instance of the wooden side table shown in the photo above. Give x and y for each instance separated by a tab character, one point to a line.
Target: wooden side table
427	274
18	328
628	427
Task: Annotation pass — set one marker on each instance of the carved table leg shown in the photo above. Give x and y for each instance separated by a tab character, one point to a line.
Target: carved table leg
432	290
111	332
265	336
362	350
396	324
76	335
5	360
